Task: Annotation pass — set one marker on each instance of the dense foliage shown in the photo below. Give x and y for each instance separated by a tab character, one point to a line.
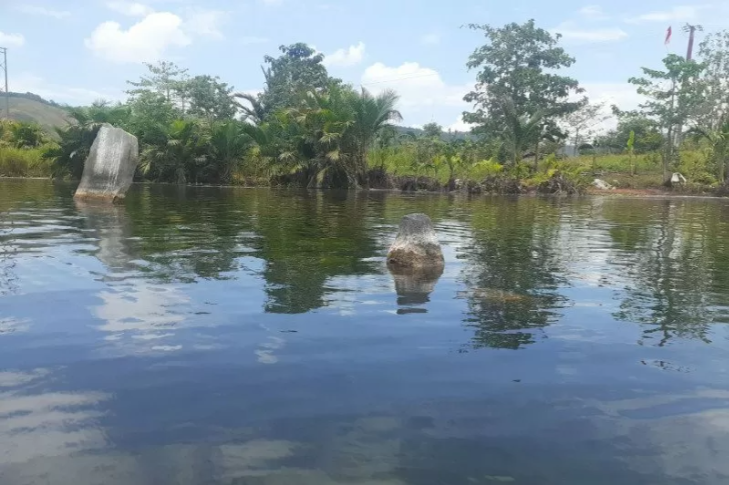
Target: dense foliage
308	129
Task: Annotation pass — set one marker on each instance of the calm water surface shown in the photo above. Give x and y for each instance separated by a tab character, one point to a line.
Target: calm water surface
232	336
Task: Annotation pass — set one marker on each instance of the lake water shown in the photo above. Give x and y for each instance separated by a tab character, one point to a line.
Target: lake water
240	336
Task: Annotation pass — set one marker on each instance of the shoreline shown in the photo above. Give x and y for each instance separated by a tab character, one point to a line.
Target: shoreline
649	192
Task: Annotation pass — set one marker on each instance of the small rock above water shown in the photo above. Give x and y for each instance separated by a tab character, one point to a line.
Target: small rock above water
416	245
109	168
601	184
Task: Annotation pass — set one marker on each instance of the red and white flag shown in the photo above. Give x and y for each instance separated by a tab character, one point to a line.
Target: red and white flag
668	35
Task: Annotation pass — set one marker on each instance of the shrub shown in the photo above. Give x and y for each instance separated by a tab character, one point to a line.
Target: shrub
24	162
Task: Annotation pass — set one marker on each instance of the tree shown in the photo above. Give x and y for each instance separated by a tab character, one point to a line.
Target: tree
312	138
289	77
209	98
150	118
673	97
714	52
648	137
26	135
630	148
75	140
718	140
372	116
254	111
181	158
516	82
432	130
583	121
229	142
166	78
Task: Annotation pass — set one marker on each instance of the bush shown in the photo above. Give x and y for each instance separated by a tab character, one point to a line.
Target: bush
21	134
562	184
695	168
24	162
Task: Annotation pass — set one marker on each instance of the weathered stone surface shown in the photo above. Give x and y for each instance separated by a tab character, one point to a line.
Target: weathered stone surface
416	244
109	169
601	184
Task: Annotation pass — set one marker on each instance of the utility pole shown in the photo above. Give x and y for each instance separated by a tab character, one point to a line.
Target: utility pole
4	66
691	29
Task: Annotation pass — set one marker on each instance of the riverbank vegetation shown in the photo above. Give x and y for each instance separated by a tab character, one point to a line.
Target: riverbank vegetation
309	129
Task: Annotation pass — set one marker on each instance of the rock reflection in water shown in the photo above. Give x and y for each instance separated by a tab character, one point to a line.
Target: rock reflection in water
414	286
112	227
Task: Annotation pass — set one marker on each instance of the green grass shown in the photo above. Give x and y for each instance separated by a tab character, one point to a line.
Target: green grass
24	162
646	171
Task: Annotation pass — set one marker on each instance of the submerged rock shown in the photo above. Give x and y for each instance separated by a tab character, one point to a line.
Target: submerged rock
414	286
109	169
416	245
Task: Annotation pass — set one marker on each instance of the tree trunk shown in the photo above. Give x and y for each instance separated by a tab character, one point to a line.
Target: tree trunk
668	155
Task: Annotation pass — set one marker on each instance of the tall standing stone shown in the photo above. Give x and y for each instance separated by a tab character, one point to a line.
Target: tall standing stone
416	245
109	168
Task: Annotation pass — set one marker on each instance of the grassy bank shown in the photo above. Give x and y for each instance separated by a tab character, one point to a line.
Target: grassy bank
24	162
396	170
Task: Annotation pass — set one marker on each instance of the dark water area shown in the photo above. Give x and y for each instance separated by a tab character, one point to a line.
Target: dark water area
239	336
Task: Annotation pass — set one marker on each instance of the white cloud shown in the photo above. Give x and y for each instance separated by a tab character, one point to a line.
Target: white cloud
43	11
570	32
132	9
351	56
593	12
204	23
423	93
430	39
460	125
11	40
681	13
146	41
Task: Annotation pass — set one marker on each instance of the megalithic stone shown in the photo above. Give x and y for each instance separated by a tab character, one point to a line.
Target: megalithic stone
416	244
109	168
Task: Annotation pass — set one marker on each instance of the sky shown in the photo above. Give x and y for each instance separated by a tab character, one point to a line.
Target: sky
78	51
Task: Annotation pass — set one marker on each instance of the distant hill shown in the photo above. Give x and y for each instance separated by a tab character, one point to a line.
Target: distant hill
31	107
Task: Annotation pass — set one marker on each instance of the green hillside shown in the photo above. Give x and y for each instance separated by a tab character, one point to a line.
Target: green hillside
33	108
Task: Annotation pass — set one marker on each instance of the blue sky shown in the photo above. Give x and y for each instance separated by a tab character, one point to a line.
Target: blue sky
78	51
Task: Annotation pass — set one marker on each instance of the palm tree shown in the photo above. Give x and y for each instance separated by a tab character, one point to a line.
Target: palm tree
182	158
372	115
255	111
320	131
76	139
520	131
